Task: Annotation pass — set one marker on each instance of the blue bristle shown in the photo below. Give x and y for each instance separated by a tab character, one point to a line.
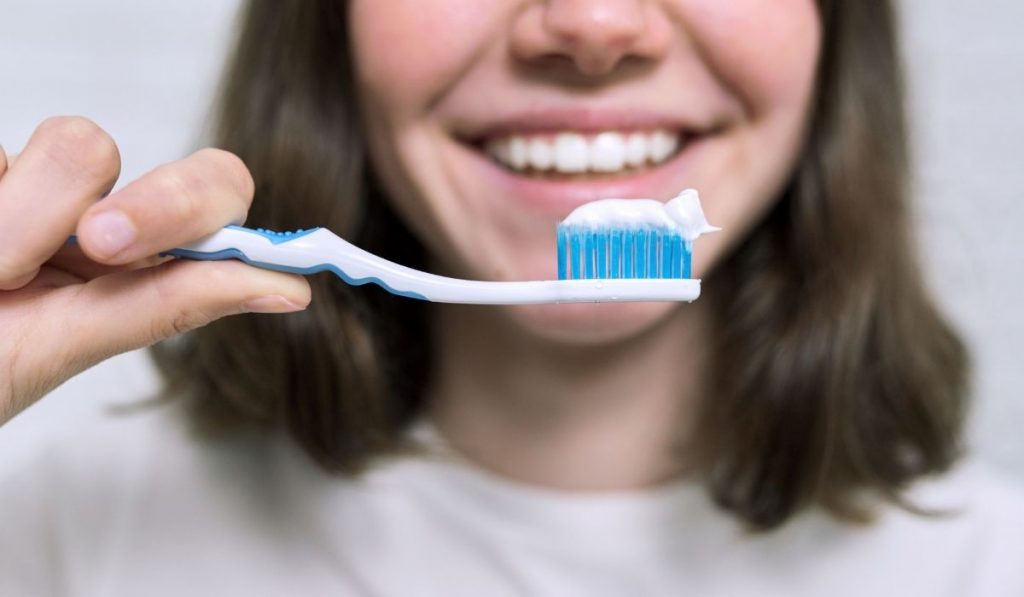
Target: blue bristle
562	257
615	263
588	256
675	266
668	257
678	255
652	255
666	248
640	252
688	260
576	253
629	258
585	253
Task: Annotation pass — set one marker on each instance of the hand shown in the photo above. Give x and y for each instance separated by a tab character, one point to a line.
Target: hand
66	307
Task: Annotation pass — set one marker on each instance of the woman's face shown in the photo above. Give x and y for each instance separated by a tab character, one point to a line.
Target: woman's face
488	122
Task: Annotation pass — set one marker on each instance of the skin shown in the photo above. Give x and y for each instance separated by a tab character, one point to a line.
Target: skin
583	397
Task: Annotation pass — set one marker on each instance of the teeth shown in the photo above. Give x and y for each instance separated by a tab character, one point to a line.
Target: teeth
574	153
608	152
542	157
663	145
518	153
571	153
636	150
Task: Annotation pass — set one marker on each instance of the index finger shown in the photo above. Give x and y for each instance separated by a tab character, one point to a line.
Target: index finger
170	206
67	164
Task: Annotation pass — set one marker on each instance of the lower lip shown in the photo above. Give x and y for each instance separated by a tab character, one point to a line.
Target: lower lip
558	197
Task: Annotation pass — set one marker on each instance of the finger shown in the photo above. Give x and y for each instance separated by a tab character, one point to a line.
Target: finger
48	278
8	159
170	206
78	326
68	163
72	260
82	325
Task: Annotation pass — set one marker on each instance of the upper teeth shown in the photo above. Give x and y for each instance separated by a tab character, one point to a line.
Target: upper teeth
573	153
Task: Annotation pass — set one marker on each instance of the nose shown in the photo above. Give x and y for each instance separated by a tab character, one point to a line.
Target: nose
595	35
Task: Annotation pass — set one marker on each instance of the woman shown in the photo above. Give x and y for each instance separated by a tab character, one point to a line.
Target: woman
763	440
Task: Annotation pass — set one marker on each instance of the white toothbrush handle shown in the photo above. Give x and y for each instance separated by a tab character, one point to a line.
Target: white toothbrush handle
564	291
318	249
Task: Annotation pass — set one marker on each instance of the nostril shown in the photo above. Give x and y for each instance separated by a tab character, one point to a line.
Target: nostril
596	63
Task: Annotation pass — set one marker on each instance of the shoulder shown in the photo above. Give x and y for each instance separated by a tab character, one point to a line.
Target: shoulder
82	465
978	495
988	504
62	486
140	488
966	538
962	534
977	534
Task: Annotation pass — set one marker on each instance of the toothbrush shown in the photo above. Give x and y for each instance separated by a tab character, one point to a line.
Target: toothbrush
608	250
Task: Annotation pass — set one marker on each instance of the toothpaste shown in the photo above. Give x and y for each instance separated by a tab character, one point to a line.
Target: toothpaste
682	215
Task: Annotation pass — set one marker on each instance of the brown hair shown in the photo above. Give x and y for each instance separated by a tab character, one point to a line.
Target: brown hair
832	371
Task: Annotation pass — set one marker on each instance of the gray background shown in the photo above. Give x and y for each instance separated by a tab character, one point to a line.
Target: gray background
146	71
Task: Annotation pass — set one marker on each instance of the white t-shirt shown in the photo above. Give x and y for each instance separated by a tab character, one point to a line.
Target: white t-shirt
133	506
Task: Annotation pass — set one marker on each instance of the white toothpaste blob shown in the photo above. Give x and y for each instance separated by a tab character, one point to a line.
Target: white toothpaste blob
688	215
683	214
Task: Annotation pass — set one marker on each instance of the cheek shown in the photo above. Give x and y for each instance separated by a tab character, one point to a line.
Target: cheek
408	52
765	53
407	56
766	50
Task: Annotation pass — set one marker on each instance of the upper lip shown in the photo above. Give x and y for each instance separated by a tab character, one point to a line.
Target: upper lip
576	119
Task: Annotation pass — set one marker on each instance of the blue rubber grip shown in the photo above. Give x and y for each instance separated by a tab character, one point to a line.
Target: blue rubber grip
274	236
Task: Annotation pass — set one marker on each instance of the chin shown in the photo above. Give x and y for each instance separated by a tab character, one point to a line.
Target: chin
590	324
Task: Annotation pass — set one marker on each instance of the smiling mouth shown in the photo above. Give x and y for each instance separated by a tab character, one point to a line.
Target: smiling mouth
571	154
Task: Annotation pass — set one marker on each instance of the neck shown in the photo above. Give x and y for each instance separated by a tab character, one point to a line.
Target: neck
560	415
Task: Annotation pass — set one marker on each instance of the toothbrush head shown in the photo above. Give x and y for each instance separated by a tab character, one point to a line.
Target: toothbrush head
631	238
586	253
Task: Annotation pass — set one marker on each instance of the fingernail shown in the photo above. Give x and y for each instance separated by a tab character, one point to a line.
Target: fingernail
271	304
109	233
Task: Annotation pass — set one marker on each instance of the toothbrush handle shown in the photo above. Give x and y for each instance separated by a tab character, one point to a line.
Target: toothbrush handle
282	251
304	252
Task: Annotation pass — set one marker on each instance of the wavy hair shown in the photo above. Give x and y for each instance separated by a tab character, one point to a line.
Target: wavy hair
832	374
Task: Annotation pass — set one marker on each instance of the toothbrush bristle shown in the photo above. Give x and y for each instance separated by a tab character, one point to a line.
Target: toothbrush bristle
611	253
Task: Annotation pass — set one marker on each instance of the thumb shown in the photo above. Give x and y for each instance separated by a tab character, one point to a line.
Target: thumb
132	309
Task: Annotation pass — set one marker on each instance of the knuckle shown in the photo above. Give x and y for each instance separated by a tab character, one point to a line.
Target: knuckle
182	311
220	275
232	170
81	144
182	322
12	270
23	378
10	391
179	191
9	266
